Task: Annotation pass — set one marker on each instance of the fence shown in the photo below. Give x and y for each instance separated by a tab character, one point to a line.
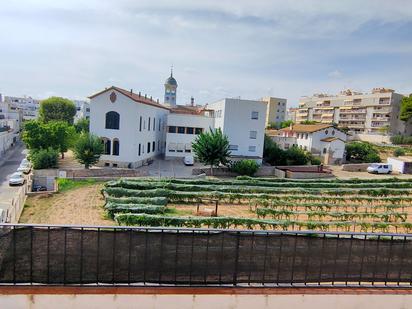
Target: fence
74	255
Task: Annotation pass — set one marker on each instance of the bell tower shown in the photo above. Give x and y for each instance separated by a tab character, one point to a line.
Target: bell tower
170	89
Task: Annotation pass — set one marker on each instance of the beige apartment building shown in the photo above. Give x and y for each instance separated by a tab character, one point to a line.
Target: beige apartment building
372	113
276	110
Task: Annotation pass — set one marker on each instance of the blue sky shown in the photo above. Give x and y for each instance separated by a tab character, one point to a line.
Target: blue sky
222	48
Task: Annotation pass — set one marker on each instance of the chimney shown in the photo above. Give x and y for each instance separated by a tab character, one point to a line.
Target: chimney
139	94
151	98
131	91
192	101
157	100
290	127
145	96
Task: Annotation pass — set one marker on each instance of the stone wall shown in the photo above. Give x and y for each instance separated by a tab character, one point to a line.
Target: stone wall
358	167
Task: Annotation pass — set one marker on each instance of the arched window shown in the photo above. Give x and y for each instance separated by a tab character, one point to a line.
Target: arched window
106	146
116	147
112	120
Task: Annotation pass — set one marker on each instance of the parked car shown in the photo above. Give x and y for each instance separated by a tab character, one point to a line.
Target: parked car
17	179
24	168
188	160
380	168
39	188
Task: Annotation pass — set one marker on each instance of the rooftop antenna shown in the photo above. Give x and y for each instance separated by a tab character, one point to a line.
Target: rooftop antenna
171	71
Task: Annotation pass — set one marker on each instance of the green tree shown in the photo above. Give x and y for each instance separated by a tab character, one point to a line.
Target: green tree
57	109
36	135
212	148
399	152
286	124
406	108
88	149
44	158
361	152
63	135
272	153
296	156
82	125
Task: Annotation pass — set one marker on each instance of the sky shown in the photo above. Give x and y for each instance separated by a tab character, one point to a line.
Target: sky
223	48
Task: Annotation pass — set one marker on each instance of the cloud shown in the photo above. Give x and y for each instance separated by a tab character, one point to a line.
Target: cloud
218	48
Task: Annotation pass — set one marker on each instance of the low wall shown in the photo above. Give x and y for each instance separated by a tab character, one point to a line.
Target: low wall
356	167
104	172
371	138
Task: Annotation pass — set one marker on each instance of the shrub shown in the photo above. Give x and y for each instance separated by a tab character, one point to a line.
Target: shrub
399	152
361	152
296	156
245	167
44	158
401	139
314	160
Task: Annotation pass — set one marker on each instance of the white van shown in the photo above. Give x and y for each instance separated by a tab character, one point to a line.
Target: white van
380	168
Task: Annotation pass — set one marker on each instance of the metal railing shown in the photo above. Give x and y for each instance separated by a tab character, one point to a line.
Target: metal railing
138	256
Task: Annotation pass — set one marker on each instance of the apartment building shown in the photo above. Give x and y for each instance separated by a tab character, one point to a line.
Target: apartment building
82	109
276	110
372	113
291	114
29	106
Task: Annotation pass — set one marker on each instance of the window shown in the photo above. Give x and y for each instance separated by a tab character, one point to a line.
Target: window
153	146
233	147
87	109
324	150
333	132
306	148
190	130
148	125
181	130
198	131
252	134
106	164
172	129
140	149
172	147
154	124
188	148
114	165
160	121
140	124
180	147
255	115
252	148
107	146
326	132
306	136
112	120
148	147
116	147
158	145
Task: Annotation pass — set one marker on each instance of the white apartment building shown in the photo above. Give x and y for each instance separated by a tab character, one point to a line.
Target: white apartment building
131	126
373	113
276	110
10	125
82	109
291	114
28	105
322	140
243	121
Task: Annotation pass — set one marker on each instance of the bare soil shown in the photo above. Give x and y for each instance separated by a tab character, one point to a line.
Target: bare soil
80	206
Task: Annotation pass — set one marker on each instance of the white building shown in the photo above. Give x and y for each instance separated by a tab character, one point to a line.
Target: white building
29	106
82	109
322	140
402	164
10	122
184	123
243	121
132	126
276	110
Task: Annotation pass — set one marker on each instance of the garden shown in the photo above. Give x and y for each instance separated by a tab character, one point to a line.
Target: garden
381	205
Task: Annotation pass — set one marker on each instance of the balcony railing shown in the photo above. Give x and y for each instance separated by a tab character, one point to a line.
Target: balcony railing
138	256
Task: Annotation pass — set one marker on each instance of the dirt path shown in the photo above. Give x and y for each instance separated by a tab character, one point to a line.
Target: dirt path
81	206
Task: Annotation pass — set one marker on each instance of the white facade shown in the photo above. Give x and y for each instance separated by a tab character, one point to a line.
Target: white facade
324	141
243	121
82	109
141	132
28	105
402	164
182	130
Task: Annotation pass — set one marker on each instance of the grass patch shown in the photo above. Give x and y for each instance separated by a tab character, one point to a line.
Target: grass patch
69	184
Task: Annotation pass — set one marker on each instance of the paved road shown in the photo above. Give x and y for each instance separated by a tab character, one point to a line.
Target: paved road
8	165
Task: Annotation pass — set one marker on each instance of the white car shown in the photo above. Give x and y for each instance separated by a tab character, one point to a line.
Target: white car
188	160
24	168
380	168
17	178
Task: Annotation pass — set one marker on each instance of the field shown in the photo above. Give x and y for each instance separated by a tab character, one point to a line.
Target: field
381	205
